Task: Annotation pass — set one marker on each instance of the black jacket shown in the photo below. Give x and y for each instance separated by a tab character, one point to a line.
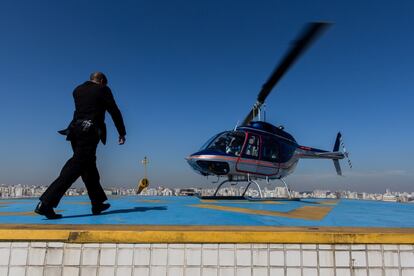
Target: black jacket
91	102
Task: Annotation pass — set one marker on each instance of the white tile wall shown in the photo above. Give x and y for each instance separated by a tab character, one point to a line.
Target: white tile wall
44	259
158	271
292	258
88	271
4	270
17	271
209	271
407	259
375	272
4	256
193	256
54	256
342	258
277	257
243	257
326	258
18	256
52	271
159	256
343	272
125	256
310	258
227	271
69	271
141	271
210	257
90	256
196	271
72	256
391	258
175	271
308	272
260	257
37	256
226	257
374	258
124	271
176	256
142	256
35	271
106	271
359	258
107	257
244	271
260	271
293	271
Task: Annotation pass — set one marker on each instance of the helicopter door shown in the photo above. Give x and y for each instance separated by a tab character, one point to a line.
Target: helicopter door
269	157
247	162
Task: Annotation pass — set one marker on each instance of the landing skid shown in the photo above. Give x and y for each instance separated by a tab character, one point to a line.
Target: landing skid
249	198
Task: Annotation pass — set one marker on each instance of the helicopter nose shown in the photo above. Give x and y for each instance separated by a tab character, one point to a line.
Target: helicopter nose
192	161
207	164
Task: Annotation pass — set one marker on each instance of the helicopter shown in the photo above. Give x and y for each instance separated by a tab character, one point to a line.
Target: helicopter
258	150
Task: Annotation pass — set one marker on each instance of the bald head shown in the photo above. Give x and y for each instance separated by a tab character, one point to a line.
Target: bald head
99	77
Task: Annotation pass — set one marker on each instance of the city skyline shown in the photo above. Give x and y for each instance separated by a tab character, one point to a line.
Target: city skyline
26	191
184	71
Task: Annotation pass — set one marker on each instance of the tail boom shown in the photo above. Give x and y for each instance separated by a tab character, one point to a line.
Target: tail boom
314	153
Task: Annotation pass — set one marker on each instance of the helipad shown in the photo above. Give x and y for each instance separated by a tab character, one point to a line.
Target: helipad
138	219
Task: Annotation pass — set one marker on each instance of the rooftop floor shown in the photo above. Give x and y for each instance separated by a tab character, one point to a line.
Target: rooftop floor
182	219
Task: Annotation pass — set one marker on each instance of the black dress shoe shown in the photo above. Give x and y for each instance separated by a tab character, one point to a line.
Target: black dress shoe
98	208
46	211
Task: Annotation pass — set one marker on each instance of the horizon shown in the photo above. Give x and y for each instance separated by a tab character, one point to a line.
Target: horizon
182	72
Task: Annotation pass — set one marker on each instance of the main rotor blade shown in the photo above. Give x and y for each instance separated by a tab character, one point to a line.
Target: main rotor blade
311	32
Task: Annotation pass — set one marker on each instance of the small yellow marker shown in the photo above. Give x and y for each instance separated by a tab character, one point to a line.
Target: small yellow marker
144	182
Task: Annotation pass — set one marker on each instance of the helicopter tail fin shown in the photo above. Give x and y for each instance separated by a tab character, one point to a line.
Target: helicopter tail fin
336	149
335	155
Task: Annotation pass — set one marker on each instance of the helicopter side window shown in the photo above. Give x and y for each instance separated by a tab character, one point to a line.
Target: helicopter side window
252	147
270	149
229	142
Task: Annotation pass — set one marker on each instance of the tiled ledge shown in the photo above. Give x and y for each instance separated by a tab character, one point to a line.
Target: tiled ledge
72	259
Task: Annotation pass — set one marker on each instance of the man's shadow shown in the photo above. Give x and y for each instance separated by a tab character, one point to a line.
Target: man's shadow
121	211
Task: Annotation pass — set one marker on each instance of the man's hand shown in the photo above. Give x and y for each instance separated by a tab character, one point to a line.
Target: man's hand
121	140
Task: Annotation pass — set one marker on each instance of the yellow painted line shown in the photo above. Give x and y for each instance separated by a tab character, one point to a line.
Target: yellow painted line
2	203
240	201
78	202
328	202
16	213
204	234
148	200
305	212
31	213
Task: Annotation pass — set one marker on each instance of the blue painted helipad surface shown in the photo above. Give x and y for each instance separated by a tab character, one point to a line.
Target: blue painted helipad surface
141	210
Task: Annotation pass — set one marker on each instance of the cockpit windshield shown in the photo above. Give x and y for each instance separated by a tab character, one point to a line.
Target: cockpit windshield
230	142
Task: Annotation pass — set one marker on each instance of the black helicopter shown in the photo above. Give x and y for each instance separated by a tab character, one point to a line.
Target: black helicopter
257	149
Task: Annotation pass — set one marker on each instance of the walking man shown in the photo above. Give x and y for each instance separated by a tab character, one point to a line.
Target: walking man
92	99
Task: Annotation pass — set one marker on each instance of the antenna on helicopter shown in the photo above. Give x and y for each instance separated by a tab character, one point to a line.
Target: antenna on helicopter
237	125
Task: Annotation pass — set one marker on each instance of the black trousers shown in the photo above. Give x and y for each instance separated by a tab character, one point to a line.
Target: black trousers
82	164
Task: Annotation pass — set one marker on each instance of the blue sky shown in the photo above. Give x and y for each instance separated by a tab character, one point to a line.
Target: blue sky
182	71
